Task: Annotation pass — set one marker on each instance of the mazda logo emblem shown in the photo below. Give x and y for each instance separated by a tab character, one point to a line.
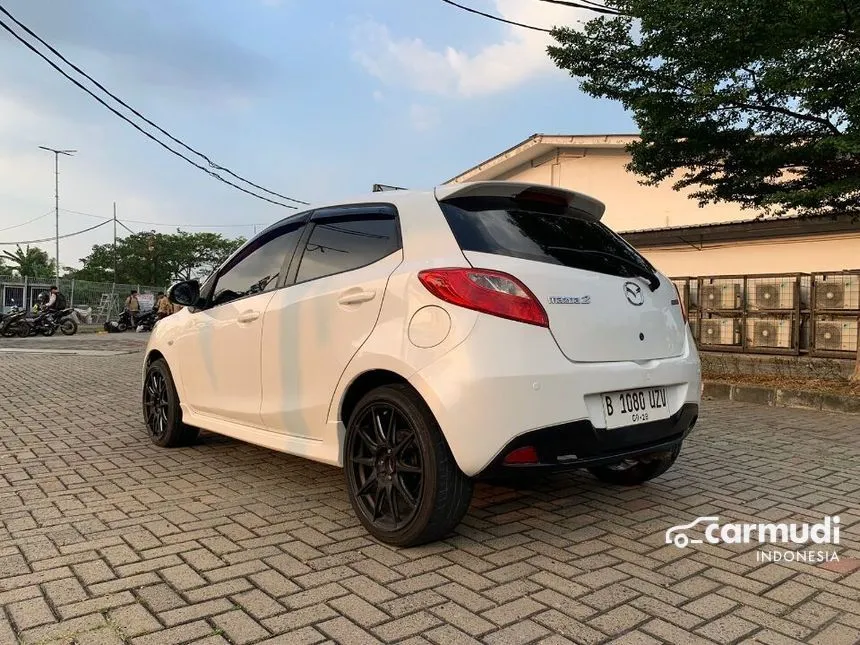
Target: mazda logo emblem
634	294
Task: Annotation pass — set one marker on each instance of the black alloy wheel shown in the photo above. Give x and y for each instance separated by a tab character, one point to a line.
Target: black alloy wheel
403	481
155	404
161	410
387	467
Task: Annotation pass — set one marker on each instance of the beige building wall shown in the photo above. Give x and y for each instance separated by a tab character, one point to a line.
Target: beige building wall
799	255
630	206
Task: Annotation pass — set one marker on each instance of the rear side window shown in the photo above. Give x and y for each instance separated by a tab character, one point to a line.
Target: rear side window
540	231
341	244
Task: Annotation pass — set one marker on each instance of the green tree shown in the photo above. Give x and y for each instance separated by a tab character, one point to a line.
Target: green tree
755	102
157	258
32	262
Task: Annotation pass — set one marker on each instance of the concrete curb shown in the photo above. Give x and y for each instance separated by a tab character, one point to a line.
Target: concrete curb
776	397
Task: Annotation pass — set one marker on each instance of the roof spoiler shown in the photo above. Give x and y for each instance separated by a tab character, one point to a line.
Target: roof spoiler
588	205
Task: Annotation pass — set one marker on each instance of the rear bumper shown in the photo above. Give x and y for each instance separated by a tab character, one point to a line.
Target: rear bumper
507	380
579	444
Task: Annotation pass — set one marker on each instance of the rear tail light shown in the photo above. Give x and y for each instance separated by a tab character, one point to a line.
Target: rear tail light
490	292
681	303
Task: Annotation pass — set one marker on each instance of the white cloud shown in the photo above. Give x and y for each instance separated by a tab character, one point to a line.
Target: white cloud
496	67
423	117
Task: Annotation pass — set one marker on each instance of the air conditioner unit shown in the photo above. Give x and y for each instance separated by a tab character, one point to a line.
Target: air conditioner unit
769	332
717	331
720	296
837	292
836	335
774	294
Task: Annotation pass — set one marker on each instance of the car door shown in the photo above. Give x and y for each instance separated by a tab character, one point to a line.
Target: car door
314	326
220	351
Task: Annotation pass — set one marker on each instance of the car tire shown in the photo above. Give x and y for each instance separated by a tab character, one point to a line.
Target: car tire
407	471
641	471
161	411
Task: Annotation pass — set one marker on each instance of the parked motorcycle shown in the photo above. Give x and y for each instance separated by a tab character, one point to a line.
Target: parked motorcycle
15	323
48	322
145	321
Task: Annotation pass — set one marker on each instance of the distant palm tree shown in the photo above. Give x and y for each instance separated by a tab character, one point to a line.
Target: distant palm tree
31	262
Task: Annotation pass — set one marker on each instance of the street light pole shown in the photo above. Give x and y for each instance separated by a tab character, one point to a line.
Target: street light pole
57	154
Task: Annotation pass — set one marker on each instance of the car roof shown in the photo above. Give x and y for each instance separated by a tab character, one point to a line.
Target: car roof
585	203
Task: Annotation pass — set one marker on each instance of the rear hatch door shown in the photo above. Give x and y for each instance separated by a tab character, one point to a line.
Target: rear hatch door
604	301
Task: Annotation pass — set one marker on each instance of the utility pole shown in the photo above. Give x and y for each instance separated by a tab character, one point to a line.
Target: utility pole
114	242
57	154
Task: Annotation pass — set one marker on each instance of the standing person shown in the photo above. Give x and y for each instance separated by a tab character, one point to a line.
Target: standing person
165	308
132	305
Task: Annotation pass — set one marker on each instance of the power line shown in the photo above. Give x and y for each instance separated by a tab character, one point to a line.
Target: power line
168	225
497	18
138	114
29	221
133	124
585	4
61	237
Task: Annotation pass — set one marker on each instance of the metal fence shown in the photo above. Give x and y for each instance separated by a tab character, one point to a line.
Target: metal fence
799	313
102	300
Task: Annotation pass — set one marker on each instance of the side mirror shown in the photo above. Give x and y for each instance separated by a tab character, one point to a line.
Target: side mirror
185	293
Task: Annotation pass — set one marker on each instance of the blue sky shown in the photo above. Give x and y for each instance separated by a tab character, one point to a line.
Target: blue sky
314	99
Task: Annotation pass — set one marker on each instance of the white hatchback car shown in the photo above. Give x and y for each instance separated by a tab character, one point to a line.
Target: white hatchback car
423	340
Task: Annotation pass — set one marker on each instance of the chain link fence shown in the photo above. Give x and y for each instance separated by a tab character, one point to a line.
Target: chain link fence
95	302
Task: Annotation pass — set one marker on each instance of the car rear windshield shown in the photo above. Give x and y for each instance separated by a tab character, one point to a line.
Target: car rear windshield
541	231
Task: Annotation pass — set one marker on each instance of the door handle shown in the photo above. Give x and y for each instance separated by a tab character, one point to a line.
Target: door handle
248	316
356	297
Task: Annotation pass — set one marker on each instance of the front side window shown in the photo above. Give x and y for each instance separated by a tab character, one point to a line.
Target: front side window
341	244
257	268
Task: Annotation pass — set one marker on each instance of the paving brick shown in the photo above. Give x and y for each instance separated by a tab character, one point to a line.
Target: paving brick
239	627
790	593
93	572
562	625
835	634
619	620
94	605
62	630
160	597
513	611
410	625
343	631
193	612
103	636
133	620
182	577
727	629
672	634
518	634
175	635
310	615
274	583
31	613
359	610
710	606
218	590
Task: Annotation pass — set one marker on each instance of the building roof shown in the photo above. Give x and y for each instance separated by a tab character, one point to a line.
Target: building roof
538	145
761	228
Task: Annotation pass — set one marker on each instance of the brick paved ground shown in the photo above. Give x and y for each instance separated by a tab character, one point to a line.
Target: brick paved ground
107	539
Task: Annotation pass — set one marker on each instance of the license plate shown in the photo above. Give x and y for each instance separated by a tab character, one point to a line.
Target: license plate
632	407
